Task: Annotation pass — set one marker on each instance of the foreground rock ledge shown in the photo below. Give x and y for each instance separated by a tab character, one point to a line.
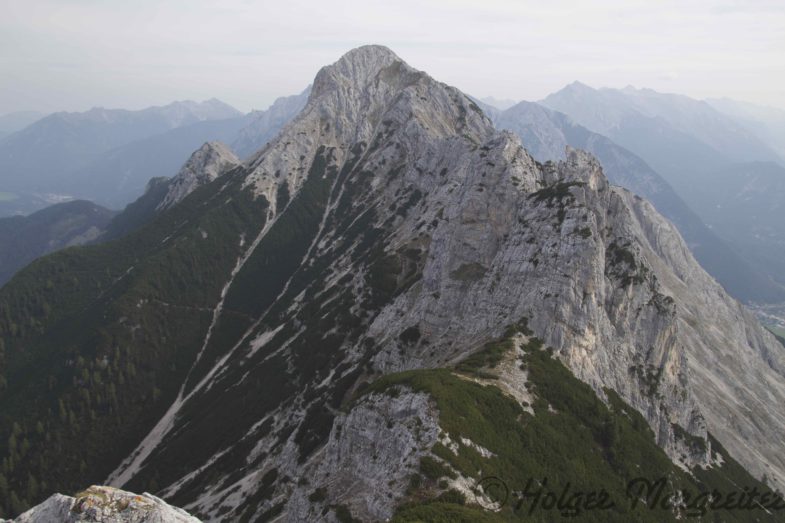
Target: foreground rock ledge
105	505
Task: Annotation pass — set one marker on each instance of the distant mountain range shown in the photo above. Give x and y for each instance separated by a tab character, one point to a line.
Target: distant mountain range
617	113
745	204
120	175
262	126
497	103
723	170
546	135
40	157
43	157
16	121
108	156
768	123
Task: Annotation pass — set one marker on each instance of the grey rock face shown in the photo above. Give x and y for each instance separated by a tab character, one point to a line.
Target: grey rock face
370	456
479	235
610	284
204	166
546	133
100	504
696	148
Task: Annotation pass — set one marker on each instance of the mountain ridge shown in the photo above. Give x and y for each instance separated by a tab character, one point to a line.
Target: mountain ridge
689	143
117	176
546	133
46	156
259	180
605	111
387	228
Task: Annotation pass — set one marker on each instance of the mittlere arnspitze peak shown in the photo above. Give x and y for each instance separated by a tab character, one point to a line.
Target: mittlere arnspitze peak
373	79
363	98
357	68
491	236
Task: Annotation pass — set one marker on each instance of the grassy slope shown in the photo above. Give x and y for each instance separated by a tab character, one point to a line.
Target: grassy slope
573	438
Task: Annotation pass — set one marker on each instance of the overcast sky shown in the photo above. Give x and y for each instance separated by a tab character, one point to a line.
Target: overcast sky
75	54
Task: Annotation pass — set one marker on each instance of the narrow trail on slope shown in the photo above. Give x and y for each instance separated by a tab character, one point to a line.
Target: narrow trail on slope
131	465
330	207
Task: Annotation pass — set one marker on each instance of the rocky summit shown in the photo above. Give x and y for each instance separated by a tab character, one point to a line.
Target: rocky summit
104	505
204	166
386	304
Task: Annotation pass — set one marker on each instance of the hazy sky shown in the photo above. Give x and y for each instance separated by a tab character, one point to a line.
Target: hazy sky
75	54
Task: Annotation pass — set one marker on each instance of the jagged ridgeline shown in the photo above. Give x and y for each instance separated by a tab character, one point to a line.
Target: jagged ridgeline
333	330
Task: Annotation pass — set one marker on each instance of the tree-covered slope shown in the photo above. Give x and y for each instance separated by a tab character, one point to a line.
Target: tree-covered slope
25	238
96	340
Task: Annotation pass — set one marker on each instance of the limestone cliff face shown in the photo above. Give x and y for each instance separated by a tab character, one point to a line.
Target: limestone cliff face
372	453
420	233
104	505
558	245
546	134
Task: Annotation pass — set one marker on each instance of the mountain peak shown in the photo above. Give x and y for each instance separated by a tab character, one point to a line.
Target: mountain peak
358	68
205	165
571	91
578	86
208	159
208	107
216	148
366	88
370	51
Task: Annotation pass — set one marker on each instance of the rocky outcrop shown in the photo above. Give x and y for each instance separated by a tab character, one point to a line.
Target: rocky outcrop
697	149
100	504
205	165
547	133
372	452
